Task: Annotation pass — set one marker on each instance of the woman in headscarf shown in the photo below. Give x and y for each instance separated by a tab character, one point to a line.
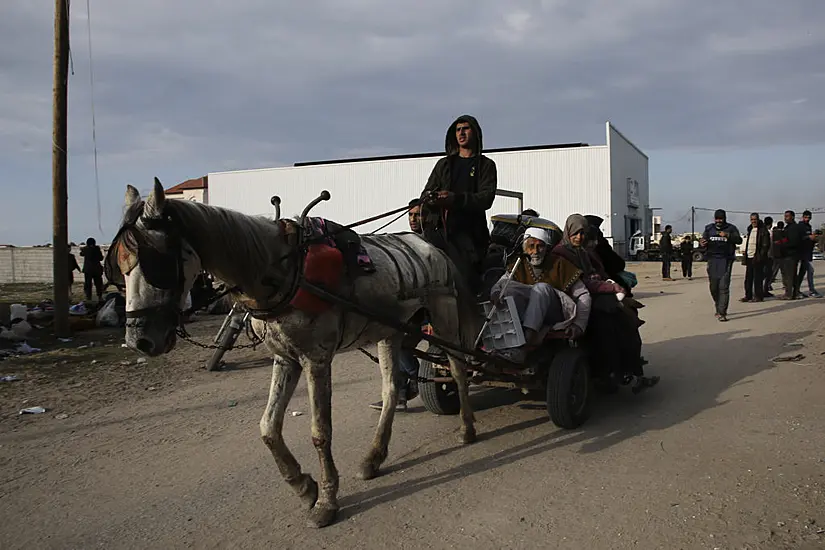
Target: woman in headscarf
612	328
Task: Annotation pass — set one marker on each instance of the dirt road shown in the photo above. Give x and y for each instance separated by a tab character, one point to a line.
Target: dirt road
727	452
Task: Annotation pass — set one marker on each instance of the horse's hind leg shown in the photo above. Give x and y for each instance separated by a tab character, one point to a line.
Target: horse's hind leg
319	378
285	375
388	361
447	325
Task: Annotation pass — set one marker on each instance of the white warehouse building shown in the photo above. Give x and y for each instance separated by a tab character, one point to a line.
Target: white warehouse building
610	181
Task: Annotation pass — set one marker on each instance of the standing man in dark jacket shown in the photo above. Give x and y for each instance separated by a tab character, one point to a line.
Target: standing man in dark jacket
686	251
721	239
768	267
666	248
92	269
460	190
791	254
757	252
806	256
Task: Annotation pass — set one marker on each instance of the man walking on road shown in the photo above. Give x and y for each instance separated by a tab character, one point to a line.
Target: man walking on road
806	256
721	239
666	248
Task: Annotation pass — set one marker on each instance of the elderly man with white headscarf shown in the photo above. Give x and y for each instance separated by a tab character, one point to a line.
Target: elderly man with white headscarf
547	290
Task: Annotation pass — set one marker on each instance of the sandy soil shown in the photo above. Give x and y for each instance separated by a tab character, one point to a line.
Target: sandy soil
727	452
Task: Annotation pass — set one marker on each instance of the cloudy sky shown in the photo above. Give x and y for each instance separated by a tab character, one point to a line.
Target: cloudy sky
726	98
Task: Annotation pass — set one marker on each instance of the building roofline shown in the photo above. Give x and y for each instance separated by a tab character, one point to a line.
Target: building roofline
189	185
429	155
624	137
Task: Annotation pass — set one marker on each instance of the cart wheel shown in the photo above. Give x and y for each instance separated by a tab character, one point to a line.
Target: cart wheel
698	257
641	256
228	339
568	389
438	398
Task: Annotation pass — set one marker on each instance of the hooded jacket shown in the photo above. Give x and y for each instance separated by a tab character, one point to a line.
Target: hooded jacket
468	213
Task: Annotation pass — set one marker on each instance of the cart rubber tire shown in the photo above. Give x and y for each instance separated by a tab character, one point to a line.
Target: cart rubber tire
228	340
569	389
441	399
641	257
698	257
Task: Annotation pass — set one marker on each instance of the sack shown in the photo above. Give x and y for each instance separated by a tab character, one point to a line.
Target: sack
107	315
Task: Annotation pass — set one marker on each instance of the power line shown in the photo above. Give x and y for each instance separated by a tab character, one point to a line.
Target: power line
94	123
815	210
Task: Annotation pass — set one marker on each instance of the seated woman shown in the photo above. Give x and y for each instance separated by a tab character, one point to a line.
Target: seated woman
614	324
548	293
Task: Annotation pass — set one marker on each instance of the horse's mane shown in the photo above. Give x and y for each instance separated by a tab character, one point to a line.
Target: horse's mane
236	248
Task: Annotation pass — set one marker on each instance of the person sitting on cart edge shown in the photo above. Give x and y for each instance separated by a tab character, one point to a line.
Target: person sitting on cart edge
460	190
409	362
547	290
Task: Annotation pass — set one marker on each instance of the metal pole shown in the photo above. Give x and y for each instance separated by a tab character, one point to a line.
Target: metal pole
692	222
60	199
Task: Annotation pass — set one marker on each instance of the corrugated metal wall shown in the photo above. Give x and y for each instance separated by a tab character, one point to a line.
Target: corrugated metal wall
556	182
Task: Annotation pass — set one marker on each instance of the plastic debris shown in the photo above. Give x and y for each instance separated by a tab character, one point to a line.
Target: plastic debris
18	311
33	410
788	357
62	416
233	403
297	413
141	360
9	378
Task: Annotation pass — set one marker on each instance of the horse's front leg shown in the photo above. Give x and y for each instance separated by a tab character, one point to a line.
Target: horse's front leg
388	351
319	385
285	375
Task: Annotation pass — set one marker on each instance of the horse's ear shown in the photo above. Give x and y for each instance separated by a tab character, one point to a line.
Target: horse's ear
132	196
155	202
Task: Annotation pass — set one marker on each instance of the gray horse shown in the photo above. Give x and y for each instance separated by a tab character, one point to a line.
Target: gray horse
163	244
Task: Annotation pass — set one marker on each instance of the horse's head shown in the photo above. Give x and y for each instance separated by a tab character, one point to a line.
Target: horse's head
150	258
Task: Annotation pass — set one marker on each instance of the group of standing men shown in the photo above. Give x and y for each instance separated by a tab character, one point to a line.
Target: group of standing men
767	251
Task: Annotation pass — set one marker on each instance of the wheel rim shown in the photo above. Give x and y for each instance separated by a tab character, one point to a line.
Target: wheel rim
579	388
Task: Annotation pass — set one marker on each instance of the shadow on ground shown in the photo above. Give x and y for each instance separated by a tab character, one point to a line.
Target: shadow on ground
695	372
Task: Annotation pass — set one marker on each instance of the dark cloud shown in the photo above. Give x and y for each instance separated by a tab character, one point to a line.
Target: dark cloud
188	87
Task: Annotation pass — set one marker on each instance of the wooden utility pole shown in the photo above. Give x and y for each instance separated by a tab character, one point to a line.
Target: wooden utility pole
60	194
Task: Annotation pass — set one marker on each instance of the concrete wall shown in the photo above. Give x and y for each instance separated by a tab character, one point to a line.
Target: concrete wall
31	265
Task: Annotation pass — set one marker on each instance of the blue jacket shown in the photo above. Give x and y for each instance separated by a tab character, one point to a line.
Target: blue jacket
722	247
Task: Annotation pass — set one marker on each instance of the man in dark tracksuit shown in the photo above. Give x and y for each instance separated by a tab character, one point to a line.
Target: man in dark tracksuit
460	190
666	248
721	239
768	266
92	269
757	251
791	254
686	251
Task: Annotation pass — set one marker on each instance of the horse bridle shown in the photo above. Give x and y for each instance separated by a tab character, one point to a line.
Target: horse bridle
173	254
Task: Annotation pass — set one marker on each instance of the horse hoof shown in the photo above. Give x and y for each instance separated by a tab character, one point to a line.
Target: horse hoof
321	516
469	436
310	494
368	471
